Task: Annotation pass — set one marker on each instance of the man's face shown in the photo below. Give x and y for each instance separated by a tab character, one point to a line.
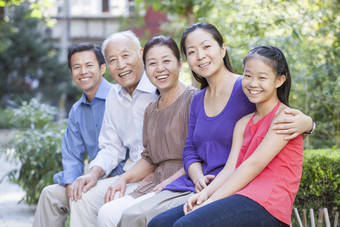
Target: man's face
86	72
124	60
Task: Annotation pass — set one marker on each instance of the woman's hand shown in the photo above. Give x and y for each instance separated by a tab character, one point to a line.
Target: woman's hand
202	182
162	185
146	179
119	185
293	123
195	201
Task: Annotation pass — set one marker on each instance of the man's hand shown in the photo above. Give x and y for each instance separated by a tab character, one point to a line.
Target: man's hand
82	184
68	190
119	185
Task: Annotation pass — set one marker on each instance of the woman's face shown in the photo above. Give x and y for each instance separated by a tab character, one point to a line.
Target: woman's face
162	67
204	54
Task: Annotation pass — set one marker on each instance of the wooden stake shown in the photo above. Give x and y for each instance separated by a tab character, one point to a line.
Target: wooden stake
336	218
328	223
312	220
304	214
320	218
298	217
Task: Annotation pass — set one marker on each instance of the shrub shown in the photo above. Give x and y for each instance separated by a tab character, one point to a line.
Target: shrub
37	148
320	182
5	118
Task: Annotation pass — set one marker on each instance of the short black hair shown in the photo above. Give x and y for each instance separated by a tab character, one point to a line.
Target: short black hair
83	47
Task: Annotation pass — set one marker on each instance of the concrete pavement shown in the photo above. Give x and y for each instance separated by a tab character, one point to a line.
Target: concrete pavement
12	213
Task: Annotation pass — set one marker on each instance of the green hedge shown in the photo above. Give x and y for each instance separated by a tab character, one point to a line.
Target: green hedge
320	182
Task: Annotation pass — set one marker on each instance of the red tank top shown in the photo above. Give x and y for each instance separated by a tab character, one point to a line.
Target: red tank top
276	186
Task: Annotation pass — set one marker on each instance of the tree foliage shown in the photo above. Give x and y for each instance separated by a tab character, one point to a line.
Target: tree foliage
29	64
307	32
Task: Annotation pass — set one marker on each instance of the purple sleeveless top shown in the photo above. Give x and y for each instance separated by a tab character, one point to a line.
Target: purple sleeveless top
209	138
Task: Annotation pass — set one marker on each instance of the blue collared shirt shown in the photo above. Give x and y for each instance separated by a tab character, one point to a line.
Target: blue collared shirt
123	126
84	124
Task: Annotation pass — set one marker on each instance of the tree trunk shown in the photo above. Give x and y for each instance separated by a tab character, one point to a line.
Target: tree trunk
191	20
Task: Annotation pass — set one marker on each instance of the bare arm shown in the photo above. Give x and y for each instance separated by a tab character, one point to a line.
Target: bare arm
167	181
271	145
195	173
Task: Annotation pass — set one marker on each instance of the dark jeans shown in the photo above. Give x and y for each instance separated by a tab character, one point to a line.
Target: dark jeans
234	211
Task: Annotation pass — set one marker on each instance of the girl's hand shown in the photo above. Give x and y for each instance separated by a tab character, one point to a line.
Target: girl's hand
194	201
206	202
202	182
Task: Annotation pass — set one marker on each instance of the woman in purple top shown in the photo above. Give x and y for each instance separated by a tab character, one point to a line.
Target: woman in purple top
214	112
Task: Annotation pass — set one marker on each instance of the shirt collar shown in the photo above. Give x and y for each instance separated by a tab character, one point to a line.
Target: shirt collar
144	85
101	93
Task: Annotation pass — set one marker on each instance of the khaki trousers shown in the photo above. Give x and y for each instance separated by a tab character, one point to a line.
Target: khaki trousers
52	208
141	213
84	212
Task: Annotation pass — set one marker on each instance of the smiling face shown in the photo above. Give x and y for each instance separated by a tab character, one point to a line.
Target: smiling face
86	72
260	82
204	54
124	62
162	67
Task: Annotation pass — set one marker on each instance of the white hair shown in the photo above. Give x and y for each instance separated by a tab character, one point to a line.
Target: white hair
128	34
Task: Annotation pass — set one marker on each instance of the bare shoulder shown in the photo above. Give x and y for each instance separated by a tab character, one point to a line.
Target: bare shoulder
242	123
281	111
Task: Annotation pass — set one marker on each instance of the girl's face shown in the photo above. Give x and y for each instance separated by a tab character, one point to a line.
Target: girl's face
259	81
204	54
162	67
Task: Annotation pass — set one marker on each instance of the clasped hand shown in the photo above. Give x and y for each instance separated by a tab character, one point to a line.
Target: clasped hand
202	182
196	201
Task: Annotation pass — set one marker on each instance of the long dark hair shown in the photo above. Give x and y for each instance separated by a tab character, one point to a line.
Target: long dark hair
277	61
219	39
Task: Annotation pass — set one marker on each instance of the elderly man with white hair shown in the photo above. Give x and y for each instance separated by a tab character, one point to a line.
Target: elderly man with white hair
121	133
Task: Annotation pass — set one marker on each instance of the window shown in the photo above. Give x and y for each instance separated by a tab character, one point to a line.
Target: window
105	6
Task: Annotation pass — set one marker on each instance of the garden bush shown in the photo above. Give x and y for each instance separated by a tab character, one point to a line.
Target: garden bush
37	147
320	182
5	118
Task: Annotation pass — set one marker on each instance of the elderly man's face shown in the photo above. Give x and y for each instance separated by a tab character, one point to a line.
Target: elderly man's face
124	61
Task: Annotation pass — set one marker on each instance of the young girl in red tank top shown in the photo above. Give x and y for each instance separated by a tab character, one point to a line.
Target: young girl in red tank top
262	166
259	182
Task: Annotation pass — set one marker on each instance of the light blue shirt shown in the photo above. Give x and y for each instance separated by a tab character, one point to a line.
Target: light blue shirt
84	124
123	125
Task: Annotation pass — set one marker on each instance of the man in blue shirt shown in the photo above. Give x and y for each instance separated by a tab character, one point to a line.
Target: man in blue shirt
87	66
